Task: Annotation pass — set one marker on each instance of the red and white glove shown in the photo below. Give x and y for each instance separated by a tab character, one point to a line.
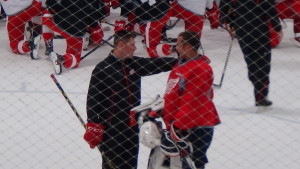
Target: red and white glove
96	35
114	4
275	37
93	134
213	16
119	25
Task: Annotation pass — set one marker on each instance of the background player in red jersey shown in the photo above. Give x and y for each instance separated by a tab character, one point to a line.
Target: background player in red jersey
72	20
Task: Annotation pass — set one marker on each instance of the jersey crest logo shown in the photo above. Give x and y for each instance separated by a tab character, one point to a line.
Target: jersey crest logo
171	84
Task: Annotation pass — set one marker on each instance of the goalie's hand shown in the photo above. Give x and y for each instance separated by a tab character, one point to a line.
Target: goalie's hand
93	134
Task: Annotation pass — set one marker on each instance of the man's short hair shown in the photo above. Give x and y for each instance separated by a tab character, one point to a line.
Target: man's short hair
123	35
191	38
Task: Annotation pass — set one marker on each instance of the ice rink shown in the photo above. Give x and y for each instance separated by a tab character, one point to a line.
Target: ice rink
39	129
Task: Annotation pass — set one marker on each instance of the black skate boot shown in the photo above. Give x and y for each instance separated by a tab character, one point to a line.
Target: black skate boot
49	47
263	102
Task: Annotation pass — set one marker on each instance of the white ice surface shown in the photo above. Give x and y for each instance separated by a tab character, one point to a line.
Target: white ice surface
39	129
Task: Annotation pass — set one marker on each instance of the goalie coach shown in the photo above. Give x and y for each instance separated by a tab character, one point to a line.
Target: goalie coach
115	88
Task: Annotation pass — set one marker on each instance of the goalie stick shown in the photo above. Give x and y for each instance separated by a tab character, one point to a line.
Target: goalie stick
111	165
144	109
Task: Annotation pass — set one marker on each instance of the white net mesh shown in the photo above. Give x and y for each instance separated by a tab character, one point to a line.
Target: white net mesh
42	122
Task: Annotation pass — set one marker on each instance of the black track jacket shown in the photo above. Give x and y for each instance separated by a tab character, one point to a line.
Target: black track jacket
115	88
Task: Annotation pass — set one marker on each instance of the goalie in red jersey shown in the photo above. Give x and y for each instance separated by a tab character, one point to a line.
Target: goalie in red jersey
189	112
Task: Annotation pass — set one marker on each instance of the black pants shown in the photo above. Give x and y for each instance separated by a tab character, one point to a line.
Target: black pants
201	139
119	148
257	54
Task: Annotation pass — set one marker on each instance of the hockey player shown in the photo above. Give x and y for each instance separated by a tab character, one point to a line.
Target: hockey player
158	12
72	20
290	9
252	30
115	88
154	15
192	12
19	12
189	112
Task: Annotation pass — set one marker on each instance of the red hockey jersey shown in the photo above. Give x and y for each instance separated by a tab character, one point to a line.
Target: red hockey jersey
189	94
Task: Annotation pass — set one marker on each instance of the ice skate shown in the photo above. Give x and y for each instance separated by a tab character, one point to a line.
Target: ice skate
49	47
34	45
263	102
57	61
86	41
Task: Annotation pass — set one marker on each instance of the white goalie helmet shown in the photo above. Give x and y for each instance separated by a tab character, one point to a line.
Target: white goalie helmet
150	134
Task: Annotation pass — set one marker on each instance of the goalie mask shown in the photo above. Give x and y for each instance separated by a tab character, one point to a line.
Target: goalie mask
150	134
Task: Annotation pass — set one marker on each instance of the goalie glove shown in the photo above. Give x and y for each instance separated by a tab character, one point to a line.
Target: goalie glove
148	110
93	134
154	105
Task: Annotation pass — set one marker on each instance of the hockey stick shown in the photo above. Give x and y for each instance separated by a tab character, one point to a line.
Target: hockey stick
111	165
125	26
98	46
173	25
68	100
226	63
